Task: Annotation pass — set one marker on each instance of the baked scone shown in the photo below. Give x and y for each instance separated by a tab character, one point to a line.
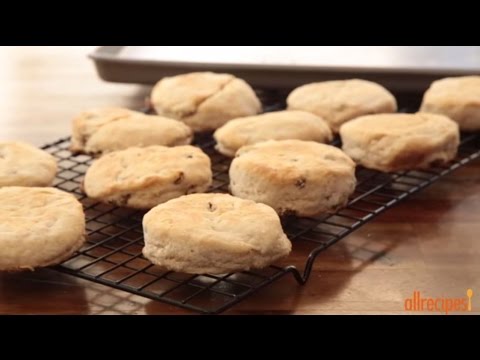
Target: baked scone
145	177
294	177
278	125
213	233
339	101
204	100
455	97
137	131
87	123
38	227
22	164
394	142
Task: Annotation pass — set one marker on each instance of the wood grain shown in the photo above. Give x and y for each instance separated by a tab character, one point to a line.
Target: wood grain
428	243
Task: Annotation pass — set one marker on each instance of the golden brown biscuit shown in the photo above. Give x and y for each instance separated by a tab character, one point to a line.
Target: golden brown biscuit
204	100
456	97
293	176
213	233
394	142
38	227
138	131
342	100
145	177
278	125
22	164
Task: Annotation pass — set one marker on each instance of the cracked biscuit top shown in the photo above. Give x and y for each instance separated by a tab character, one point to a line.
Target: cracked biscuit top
138	130
87	123
145	177
204	100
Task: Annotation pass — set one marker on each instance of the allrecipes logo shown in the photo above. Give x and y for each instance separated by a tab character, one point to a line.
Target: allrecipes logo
445	305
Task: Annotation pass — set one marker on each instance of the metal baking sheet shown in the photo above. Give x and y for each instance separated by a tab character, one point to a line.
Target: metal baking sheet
399	68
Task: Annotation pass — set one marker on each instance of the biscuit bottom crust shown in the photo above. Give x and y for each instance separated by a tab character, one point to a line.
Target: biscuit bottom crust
53	261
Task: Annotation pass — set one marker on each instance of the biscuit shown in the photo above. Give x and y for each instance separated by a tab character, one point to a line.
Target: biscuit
138	131
22	164
342	100
278	125
304	178
87	123
394	142
456	97
213	233
204	100
145	177
38	227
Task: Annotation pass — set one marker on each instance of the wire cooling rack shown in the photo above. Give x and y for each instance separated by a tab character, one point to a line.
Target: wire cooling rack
112	254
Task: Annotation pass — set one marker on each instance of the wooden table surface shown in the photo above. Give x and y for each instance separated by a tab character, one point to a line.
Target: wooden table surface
429	243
